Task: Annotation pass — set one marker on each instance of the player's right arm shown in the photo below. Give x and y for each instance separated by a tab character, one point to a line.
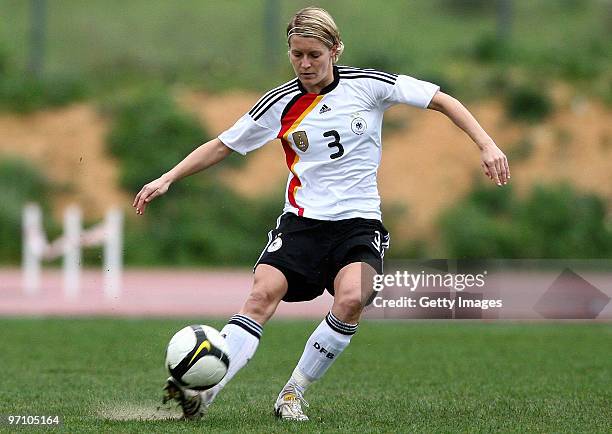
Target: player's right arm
204	156
251	131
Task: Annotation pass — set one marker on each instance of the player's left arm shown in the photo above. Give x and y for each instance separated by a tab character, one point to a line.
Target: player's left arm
494	161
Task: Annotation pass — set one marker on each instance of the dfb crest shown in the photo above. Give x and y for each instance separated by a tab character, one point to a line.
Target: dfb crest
301	140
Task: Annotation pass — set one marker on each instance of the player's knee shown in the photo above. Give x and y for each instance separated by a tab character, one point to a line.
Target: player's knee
260	305
349	305
261	299
269	287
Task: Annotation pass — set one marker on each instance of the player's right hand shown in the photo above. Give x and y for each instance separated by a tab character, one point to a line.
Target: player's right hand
149	192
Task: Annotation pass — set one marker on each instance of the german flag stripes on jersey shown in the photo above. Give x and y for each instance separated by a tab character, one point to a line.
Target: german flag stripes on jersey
331	140
290	121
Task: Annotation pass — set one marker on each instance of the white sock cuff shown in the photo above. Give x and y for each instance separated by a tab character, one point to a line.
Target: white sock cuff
247	324
340	327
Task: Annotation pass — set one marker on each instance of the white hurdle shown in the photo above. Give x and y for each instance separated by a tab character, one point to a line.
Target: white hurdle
71	243
108	233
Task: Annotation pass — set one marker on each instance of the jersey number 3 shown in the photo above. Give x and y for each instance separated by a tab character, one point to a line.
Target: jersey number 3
335	144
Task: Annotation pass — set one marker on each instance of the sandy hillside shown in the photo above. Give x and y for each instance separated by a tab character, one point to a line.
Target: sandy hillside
427	162
67	144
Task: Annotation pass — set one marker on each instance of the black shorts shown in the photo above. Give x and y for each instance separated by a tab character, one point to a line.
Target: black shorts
311	252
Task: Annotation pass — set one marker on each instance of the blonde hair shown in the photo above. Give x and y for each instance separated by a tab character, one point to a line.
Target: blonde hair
316	23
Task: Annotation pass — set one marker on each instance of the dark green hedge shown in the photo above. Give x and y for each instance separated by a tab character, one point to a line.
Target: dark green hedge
21	183
24	93
552	222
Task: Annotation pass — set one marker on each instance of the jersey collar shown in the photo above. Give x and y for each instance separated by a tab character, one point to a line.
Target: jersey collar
331	86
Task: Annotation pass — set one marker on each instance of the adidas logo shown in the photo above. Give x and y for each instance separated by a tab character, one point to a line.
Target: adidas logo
324	109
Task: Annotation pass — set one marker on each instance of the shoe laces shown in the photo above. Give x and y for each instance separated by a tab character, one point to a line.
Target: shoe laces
297	399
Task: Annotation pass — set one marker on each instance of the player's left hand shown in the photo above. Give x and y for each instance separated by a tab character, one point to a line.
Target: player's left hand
149	192
495	164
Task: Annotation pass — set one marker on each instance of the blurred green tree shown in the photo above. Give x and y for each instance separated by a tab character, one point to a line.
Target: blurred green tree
552	222
150	135
21	183
200	221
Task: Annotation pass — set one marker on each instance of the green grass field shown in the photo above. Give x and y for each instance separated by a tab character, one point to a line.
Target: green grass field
395	377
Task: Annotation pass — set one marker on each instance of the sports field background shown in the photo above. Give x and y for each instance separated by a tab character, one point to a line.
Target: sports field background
103	375
158	77
119	80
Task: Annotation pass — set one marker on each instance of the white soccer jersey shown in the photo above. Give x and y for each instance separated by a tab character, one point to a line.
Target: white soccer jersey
332	140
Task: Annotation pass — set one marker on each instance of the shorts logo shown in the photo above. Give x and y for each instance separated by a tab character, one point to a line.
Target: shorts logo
301	140
359	126
275	245
376	243
380	243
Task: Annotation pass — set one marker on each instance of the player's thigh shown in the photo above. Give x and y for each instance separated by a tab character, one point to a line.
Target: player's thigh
269	288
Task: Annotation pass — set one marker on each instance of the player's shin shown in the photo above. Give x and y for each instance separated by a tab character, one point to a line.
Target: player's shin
242	335
324	346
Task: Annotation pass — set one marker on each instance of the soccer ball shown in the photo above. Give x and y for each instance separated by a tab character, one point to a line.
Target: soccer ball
197	357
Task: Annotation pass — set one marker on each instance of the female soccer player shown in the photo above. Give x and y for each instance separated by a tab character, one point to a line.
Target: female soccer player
328	120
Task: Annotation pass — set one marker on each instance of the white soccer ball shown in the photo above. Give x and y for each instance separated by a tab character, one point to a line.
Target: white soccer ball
197	357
